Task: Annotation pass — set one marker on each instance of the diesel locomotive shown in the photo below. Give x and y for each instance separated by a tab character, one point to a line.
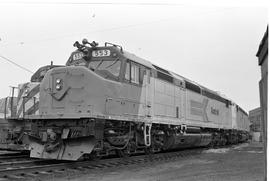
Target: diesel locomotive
109	101
24	101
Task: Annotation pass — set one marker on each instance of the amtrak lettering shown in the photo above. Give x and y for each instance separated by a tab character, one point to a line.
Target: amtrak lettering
199	109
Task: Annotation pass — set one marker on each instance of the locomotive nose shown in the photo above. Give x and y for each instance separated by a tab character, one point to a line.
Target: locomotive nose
54	91
71	91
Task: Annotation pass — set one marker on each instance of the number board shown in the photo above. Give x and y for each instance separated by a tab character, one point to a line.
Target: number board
78	56
101	53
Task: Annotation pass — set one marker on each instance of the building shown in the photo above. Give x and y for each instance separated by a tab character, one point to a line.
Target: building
255	118
262	55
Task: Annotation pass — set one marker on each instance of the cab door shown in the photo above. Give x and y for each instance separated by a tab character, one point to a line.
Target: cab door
148	86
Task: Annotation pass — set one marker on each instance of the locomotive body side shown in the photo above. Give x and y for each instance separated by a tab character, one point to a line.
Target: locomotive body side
206	112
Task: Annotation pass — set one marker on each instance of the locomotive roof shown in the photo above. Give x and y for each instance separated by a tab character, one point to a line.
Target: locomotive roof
178	76
137	59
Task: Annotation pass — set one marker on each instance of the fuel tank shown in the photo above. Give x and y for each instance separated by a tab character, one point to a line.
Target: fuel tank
187	140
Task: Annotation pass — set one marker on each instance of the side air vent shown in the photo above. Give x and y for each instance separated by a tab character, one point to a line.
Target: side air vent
193	87
165	77
216	97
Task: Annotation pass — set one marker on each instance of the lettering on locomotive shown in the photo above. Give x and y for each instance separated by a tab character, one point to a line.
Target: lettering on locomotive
101	53
78	56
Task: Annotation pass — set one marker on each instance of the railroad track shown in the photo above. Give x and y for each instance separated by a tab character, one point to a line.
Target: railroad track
5	158
13	156
29	169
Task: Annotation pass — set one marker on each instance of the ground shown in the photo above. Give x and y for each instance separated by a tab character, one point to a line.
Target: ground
244	162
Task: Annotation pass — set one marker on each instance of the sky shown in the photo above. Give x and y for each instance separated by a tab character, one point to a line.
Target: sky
213	44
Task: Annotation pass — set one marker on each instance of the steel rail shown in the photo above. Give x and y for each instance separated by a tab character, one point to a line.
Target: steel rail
28	171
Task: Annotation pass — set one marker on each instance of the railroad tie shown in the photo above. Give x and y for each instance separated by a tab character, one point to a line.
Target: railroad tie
45	172
16	177
30	175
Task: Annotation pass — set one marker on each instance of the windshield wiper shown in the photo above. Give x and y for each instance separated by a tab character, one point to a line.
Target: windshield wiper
99	64
112	63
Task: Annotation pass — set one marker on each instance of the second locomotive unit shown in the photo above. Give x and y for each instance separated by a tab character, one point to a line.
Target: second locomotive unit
106	101
13	109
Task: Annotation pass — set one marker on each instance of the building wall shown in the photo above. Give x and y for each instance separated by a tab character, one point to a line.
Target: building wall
262	55
255	117
264	67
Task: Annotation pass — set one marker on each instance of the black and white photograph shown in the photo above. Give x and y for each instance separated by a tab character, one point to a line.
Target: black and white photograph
114	90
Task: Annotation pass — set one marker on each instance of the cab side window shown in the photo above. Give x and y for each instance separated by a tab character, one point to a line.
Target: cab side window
135	73
127	74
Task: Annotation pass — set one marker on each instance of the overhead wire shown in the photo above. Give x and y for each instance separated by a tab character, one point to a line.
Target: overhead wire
96	31
111	29
16	64
93	3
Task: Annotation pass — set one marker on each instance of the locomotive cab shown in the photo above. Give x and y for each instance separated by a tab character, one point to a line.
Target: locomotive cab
105	61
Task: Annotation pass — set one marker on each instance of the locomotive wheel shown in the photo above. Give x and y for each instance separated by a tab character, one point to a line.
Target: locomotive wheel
148	151
123	153
94	156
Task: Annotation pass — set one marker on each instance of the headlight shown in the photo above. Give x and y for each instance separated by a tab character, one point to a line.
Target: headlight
59	84
58	87
58	81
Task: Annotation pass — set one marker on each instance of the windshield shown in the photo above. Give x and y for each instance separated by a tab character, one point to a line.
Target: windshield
107	68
